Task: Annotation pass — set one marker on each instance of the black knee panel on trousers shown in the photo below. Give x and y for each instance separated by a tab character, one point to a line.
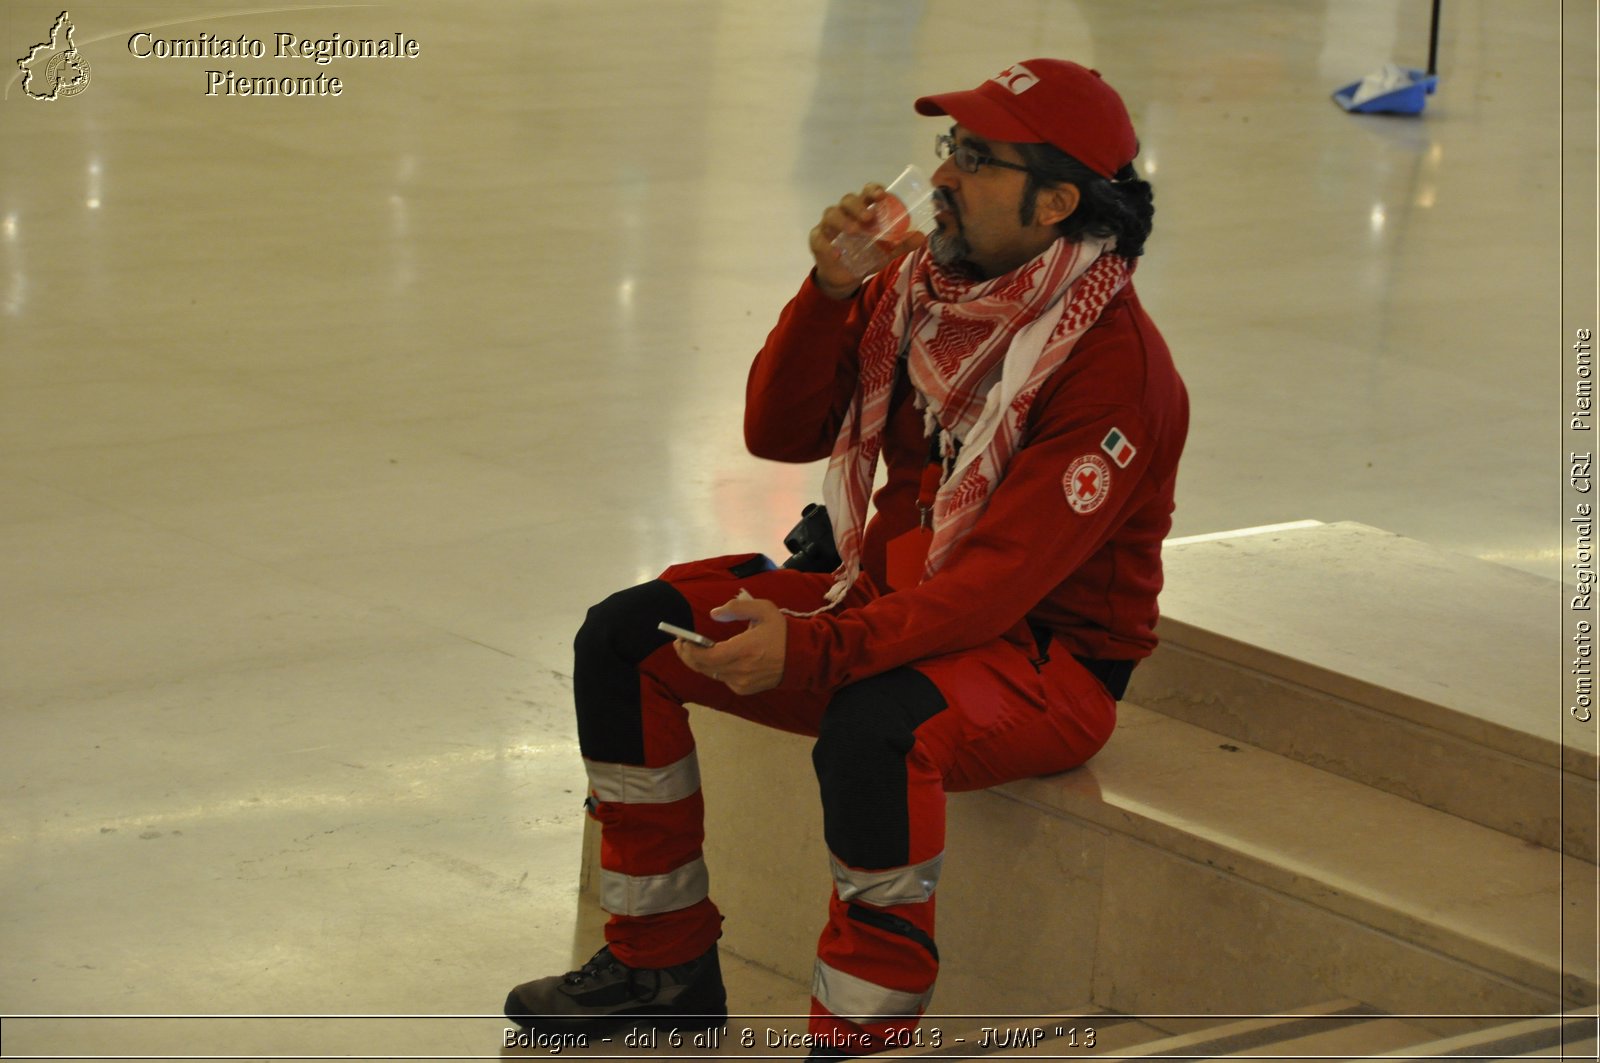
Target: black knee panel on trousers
860	757
615	636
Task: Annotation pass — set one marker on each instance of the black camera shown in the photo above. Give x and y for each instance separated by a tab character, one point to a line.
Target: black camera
810	543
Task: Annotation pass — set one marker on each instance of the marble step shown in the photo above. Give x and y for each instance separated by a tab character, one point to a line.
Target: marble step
1438	677
1304	848
1063	1037
1566	1036
1340	1029
1575	1048
1180	872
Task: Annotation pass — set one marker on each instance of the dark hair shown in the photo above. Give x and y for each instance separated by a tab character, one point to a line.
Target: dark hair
1122	208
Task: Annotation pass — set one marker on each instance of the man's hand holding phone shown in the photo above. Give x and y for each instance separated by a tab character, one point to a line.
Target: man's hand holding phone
749	662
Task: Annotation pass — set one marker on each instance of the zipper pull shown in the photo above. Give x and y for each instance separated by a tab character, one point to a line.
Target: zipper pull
932	476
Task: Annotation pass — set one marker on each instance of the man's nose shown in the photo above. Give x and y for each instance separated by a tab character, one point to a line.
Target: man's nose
947	176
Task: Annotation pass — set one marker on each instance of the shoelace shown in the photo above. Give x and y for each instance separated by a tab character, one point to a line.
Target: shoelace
600	962
603	962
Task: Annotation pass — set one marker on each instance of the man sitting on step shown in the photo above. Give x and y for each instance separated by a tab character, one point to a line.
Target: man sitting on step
980	625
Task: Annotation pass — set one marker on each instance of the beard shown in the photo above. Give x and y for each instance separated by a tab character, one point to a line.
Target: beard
948	248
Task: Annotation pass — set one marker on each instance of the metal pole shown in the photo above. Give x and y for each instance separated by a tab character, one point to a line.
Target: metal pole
1433	41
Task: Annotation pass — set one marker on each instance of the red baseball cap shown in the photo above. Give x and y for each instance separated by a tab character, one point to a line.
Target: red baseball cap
1049	101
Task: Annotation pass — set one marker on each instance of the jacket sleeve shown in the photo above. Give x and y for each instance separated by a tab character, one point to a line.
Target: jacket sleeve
1028	540
802	380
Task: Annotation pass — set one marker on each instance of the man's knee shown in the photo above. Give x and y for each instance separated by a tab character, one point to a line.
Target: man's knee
622	629
874	719
860	757
616	636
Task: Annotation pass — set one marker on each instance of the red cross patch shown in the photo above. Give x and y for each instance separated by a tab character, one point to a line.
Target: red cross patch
1087	483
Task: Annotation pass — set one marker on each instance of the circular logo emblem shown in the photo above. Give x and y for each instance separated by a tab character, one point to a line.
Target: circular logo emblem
67	73
1087	483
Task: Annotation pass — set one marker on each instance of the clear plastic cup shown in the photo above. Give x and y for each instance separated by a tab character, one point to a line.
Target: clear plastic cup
908	204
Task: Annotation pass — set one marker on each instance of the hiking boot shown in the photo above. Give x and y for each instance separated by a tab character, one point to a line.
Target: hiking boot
605	993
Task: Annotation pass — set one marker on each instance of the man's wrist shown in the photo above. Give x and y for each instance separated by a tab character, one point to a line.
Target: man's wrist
838	295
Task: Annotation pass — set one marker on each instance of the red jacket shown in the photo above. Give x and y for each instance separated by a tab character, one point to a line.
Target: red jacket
1090	573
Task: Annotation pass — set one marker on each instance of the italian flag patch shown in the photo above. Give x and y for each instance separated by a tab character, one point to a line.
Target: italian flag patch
1116	444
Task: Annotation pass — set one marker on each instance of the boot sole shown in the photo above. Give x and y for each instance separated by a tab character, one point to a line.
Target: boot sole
714	1016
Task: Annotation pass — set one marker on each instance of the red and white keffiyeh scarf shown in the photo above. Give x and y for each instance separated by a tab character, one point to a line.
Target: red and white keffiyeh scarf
979	350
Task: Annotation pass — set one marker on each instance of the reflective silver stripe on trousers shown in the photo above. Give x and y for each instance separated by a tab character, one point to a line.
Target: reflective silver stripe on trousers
859	1000
884	889
653	894
628	784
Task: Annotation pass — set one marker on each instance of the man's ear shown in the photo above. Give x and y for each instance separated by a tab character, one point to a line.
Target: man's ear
1055	204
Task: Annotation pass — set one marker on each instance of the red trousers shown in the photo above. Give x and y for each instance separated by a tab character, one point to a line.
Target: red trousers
888	749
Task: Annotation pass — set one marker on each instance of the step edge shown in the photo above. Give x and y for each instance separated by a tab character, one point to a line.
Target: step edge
1259	864
1532	811
1513	1038
1536	748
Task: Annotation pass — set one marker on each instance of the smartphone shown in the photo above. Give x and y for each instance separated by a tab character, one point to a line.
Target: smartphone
684	633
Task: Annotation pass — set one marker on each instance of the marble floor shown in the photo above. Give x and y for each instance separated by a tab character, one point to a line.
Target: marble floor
323	418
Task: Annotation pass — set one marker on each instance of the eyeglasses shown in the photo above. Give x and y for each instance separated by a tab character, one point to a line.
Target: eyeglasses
969	159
